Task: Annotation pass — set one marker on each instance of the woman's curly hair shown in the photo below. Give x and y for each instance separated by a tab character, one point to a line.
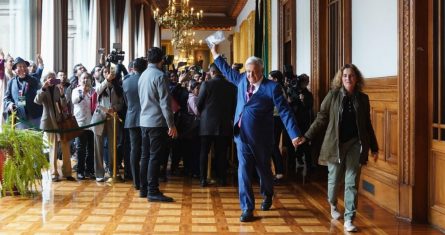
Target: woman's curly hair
337	82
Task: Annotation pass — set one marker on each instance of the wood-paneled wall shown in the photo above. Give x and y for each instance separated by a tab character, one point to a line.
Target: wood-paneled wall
379	179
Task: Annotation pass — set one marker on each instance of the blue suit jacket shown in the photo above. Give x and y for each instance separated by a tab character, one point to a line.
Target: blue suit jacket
257	114
131	97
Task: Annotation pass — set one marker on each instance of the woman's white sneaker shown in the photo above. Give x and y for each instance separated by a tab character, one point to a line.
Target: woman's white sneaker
349	227
335	213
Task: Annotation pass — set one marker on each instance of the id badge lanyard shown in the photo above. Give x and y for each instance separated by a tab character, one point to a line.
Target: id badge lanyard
22	93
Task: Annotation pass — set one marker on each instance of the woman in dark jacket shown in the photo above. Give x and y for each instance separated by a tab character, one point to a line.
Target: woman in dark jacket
345	116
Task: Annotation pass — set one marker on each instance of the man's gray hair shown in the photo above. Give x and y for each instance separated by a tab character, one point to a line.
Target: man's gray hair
255	60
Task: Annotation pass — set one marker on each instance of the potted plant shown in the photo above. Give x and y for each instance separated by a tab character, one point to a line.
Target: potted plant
24	160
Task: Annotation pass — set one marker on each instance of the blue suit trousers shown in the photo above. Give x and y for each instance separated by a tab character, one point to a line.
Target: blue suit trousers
250	158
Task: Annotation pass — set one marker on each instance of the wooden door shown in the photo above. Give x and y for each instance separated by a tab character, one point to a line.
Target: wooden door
287	34
436	211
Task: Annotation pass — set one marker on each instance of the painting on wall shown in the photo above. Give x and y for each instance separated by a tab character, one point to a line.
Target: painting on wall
202	58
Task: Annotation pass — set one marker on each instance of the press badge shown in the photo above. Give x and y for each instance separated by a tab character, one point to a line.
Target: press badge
22	100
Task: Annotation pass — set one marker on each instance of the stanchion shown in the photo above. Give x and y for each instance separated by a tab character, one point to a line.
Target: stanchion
13	120
115	178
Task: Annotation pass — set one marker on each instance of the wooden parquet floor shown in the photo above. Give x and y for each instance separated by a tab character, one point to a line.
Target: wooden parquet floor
88	207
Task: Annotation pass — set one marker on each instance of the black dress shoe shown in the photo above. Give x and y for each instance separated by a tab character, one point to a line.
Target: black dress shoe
163	179
90	175
267	203
70	178
204	183
222	182
143	193
246	216
159	198
278	181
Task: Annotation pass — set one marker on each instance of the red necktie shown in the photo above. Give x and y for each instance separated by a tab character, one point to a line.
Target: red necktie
249	93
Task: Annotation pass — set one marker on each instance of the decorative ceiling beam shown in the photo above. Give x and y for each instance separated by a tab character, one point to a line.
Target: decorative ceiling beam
237	7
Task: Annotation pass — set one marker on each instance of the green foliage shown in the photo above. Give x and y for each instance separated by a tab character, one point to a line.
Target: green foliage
24	159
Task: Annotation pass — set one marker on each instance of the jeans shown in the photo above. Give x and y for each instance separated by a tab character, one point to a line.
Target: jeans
349	166
85	153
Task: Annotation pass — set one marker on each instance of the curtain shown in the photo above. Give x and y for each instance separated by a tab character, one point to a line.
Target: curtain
258	40
81	38
126	33
236	48
246	44
51	43
266	30
141	35
113	25
157	37
95	36
23	30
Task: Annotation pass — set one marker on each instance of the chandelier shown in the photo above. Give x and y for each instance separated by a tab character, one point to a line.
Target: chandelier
186	41
180	18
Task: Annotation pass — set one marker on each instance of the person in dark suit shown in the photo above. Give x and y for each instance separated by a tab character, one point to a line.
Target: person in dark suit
254	134
20	93
131	98
216	104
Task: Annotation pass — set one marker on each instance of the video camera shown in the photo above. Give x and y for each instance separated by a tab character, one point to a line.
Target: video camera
116	54
292	79
237	66
168	59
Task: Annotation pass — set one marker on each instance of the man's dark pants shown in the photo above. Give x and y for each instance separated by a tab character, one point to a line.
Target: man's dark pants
154	147
135	154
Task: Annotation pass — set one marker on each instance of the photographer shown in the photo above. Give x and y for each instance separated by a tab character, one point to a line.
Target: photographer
301	101
108	102
123	144
51	97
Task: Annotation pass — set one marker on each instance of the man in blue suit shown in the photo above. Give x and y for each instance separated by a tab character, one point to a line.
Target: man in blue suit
253	123
131	98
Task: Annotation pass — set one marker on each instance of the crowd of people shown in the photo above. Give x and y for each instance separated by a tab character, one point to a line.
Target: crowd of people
171	117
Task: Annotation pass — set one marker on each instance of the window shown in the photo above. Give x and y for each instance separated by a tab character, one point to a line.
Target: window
18	21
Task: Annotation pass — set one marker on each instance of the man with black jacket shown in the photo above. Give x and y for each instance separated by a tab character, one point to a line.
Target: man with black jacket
216	103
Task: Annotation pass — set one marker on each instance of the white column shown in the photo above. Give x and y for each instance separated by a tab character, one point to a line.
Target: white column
81	38
157	37
141	35
95	36
126	33
51	43
113	25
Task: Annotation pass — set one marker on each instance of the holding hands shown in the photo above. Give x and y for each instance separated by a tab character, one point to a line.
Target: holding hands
298	141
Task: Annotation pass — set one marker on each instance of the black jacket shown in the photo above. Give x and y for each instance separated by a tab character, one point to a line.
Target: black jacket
328	119
216	104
